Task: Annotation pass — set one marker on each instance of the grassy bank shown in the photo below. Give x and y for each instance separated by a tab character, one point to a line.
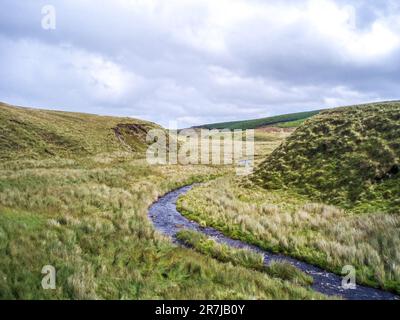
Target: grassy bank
243	257
285	222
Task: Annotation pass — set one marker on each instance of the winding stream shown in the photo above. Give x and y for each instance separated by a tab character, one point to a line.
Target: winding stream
169	221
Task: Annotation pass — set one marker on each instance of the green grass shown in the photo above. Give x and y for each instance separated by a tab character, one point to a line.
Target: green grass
284	222
286	271
291	120
74	194
42	134
243	257
291	124
222	252
347	156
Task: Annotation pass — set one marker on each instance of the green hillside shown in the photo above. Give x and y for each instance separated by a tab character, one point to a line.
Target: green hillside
74	193
287	120
33	133
348	156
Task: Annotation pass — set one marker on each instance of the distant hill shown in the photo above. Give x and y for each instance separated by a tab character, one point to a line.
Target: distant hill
285	121
348	156
34	133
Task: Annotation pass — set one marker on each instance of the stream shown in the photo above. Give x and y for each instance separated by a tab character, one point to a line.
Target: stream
168	221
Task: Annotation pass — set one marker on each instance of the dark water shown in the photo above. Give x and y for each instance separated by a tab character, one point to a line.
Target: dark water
169	221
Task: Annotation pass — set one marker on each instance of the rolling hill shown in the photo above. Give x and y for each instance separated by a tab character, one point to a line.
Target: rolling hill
347	156
285	121
34	133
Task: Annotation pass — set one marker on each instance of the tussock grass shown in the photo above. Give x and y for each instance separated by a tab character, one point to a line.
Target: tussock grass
282	221
349	157
222	252
243	257
286	271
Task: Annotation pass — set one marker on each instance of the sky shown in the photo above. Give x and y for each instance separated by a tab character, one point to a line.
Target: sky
198	61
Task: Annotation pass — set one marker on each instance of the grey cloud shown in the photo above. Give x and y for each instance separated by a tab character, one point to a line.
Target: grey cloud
197	61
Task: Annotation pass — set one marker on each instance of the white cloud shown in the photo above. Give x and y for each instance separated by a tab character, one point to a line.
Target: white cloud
75	75
339	25
199	60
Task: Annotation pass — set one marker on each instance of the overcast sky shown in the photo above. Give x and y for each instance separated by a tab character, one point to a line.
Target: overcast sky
199	61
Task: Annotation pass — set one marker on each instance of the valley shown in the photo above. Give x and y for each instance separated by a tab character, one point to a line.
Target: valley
75	190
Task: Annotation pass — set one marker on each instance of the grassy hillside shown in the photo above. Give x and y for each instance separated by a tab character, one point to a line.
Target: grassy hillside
347	156
287	121
33	133
73	195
